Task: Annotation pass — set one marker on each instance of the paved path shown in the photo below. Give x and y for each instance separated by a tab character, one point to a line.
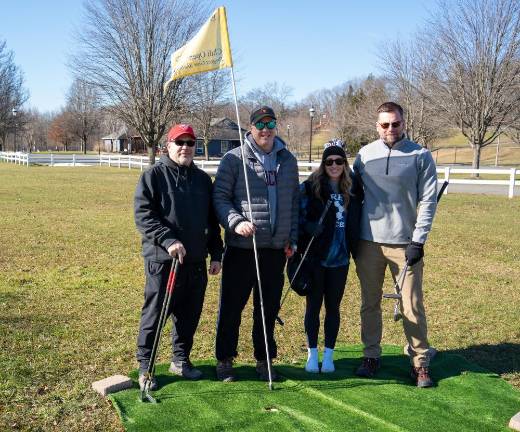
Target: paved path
482	189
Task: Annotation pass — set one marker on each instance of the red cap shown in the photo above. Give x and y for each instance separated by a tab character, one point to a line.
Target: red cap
180	129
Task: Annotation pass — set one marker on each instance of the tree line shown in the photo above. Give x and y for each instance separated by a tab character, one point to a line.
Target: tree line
461	71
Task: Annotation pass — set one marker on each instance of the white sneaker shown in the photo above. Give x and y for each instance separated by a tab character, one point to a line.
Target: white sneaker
327	364
312	365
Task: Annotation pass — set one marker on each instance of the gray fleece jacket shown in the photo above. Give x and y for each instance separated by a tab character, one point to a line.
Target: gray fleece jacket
400	185
230	198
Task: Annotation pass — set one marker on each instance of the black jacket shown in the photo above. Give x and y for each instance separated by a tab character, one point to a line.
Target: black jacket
173	202
314	209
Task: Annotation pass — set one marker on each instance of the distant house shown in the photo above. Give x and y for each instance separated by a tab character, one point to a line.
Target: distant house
224	133
122	142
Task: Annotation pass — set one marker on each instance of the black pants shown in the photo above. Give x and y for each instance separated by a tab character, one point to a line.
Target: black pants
185	308
328	283
238	278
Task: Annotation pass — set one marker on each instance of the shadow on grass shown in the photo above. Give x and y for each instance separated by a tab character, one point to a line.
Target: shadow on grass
502	358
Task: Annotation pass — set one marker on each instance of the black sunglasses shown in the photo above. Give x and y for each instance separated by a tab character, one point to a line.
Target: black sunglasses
180	143
271	124
339	162
387	125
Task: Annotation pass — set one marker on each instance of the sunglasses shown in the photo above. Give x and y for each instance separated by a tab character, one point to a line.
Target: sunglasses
180	143
339	162
271	124
387	125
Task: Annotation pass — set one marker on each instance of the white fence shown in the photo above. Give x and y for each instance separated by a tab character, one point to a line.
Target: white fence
305	168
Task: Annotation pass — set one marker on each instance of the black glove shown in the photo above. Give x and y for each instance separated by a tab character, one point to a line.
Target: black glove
414	253
314	229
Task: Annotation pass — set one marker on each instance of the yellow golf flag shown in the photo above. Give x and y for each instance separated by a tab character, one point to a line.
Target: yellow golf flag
208	50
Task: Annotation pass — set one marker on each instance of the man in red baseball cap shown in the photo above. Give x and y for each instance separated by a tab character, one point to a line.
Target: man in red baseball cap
174	213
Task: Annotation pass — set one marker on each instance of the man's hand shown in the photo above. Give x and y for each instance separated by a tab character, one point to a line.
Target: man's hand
214	267
245	229
414	252
177	250
289	250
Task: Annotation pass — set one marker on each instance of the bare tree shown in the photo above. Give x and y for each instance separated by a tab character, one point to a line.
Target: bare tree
355	111
272	94
125	48
476	47
60	132
513	132
12	93
207	92
36	130
83	108
409	72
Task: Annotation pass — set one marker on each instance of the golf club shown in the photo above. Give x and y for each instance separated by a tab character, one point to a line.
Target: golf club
320	221
255	249
399	282
145	392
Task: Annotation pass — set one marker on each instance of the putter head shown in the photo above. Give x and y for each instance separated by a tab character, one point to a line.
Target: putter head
397	312
392	296
145	392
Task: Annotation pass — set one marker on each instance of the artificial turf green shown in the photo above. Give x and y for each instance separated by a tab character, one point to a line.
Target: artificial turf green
466	398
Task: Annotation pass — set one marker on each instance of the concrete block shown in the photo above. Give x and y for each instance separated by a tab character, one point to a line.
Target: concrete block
431	351
514	423
112	384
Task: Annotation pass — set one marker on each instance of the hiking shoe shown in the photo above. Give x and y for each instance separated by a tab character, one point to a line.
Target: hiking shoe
142	379
369	367
185	369
263	372
225	370
421	377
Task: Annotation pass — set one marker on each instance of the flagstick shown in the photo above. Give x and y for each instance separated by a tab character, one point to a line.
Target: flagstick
255	250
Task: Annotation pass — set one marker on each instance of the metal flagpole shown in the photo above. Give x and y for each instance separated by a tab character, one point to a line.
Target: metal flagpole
255	250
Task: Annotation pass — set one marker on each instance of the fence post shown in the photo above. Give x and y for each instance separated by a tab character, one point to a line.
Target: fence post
52	159
446	178
512	183
455	156
129	161
73	159
142	162
109	160
119	162
28	156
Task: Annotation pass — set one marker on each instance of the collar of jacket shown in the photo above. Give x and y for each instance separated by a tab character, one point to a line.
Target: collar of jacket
248	151
397	144
166	160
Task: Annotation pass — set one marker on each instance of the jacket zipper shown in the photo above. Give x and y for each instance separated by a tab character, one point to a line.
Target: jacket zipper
388	160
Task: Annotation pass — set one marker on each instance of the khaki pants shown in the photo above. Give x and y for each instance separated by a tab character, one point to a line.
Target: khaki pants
372	259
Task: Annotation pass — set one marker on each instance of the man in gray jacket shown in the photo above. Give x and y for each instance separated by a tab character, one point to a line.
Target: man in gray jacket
400	184
273	181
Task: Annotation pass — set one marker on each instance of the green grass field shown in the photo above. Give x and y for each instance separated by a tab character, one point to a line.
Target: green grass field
71	290
327	402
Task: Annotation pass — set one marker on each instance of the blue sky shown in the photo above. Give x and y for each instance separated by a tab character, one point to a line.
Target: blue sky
307	45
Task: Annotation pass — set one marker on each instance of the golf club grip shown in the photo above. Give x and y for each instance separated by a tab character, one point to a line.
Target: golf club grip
173	273
442	189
